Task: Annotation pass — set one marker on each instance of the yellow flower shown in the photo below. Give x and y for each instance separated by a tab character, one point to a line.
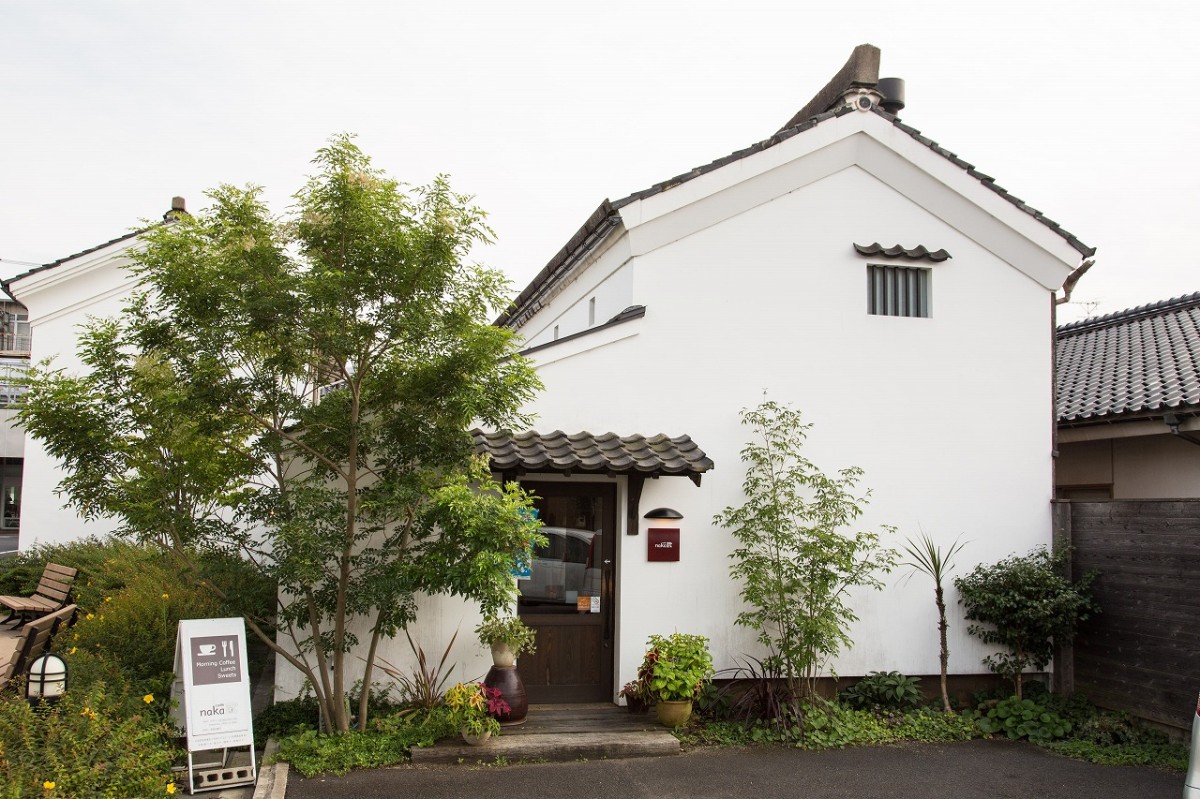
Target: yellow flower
108	599
170	787
48	785
74	649
89	617
101	617
148	699
166	596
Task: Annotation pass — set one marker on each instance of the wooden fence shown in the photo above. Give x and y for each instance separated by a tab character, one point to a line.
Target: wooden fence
1141	654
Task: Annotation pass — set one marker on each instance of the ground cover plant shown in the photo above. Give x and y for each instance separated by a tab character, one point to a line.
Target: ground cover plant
1067	725
389	739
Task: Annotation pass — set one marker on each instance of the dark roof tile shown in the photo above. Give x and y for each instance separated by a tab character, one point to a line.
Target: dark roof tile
1134	362
583	452
915	254
527	303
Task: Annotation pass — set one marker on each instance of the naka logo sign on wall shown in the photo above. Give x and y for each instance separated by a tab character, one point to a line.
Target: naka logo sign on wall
662	544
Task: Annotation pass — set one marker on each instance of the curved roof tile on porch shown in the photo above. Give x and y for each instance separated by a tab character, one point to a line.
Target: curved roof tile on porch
606	453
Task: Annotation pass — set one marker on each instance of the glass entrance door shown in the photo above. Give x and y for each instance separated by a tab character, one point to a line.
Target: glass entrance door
568	597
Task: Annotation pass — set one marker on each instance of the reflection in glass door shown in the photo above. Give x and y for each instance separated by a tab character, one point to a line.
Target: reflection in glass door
568	596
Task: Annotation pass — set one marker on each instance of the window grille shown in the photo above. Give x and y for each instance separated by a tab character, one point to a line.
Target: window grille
898	291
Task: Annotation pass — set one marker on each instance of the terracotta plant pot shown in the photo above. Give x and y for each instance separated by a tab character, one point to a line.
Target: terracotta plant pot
512	690
673	713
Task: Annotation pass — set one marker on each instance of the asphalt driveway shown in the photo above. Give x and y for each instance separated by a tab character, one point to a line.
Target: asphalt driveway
915	771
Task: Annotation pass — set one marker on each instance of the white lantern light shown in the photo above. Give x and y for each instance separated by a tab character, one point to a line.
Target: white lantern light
47	679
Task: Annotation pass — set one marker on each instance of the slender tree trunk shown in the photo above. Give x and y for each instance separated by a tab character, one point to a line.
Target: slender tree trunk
1017	681
367	671
945	653
326	697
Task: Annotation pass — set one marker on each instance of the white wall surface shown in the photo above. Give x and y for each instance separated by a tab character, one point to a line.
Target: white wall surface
59	301
774	299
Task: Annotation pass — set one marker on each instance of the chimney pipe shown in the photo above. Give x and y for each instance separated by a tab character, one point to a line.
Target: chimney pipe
178	209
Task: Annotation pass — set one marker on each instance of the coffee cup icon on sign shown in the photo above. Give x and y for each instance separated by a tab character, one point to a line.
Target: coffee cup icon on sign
208	649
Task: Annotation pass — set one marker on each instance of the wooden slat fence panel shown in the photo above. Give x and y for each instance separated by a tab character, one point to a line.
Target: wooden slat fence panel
1141	654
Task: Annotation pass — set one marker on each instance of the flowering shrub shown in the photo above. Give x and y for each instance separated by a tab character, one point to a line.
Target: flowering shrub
86	746
132	631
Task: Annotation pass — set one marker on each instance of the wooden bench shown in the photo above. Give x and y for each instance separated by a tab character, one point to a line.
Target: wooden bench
51	594
19	648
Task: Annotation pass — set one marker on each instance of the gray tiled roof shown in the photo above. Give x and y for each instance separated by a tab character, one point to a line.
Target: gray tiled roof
1140	362
915	254
593	454
606	216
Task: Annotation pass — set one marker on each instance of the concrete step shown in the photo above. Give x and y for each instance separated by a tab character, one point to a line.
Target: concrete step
552	747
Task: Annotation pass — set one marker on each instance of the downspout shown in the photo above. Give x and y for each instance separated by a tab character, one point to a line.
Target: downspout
1055	301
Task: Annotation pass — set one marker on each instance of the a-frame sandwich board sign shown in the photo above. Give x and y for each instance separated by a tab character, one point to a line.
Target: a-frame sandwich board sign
211	674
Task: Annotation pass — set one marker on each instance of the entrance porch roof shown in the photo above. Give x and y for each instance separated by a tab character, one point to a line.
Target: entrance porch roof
607	453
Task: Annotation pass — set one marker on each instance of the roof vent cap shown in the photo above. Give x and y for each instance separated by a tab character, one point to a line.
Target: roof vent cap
892	90
178	209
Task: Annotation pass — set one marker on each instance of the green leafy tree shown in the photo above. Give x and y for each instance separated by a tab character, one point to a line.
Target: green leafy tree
1025	604
793	558
301	389
924	556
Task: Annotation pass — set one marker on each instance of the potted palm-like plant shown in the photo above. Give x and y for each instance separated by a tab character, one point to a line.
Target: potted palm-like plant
679	665
473	707
508	638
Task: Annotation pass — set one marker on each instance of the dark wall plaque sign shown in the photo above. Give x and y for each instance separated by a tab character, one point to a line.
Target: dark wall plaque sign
662	544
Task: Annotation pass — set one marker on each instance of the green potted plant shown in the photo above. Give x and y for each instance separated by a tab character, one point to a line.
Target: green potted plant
472	706
508	638
678	665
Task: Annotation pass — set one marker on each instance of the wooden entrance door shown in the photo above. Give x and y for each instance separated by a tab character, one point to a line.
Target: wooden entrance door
568	597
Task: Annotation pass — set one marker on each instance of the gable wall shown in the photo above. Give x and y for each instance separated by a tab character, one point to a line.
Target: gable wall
59	301
774	299
604	277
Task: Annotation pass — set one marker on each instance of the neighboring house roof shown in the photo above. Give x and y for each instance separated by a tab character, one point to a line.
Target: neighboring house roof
857	72
592	454
8	281
1134	363
177	207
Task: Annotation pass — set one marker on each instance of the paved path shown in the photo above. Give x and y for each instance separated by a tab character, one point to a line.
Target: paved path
971	770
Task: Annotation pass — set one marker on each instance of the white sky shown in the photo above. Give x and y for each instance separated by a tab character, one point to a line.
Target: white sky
1087	111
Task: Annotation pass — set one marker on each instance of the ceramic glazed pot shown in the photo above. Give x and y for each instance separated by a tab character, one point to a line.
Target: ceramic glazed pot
672	713
502	655
507	680
476	740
